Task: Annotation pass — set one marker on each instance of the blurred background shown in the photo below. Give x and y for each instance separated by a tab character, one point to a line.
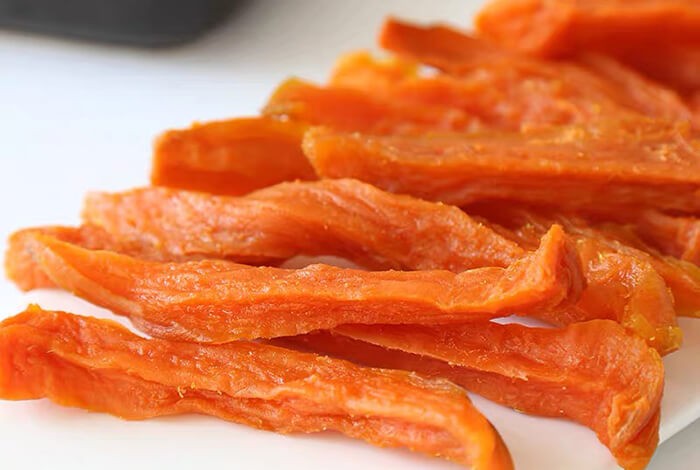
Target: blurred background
78	114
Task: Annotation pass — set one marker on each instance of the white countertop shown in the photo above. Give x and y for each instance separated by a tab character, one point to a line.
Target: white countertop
77	116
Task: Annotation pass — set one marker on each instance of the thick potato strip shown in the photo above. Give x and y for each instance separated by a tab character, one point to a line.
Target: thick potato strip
667	31
100	366
231	157
218	301
606	164
593	372
353	110
530	89
345	218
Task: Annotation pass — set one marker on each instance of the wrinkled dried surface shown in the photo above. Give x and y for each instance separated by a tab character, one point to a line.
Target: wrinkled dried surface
349	109
593	372
100	366
19	261
231	157
343	218
500	96
681	277
674	236
623	283
517	89
667	31
607	164
219	301
380	230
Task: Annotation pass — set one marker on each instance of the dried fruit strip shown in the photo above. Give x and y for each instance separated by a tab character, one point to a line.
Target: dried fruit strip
661	28
372	228
605	164
674	236
525	226
600	88
231	157
502	97
595	372
100	366
346	218
353	110
219	301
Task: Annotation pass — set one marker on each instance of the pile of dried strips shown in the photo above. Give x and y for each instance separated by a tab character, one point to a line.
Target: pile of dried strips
557	178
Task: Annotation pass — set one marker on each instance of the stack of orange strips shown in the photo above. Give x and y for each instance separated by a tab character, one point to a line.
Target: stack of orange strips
543	168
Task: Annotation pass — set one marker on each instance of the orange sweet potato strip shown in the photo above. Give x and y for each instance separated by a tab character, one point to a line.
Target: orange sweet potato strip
218	301
663	29
594	372
500	96
674	236
344	217
353	110
375	229
602	87
604	164
681	277
23	270
100	366
231	157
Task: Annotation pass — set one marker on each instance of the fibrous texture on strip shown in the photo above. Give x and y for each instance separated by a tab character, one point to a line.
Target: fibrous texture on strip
231	157
605	164
374	229
345	218
100	366
353	110
659	37
219	301
500	96
681	277
594	372
519	88
675	236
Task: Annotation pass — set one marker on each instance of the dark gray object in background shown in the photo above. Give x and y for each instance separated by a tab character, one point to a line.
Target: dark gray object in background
137	22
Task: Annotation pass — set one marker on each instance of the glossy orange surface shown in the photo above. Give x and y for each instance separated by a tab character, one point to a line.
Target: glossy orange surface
230	157
100	366
594	372
605	164
530	89
667	31
345	218
219	301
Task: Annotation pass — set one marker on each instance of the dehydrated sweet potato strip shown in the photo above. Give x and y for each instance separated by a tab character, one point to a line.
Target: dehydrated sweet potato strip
661	28
345	218
594	372
681	277
519	83
336	217
23	270
649	97
100	366
381	230
353	110
219	301
674	236
231	157
501	97
603	164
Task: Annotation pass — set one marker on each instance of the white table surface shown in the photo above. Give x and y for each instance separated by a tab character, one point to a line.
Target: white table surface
76	116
